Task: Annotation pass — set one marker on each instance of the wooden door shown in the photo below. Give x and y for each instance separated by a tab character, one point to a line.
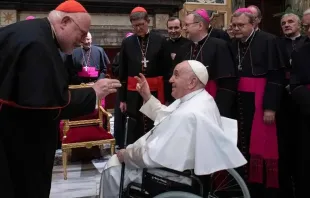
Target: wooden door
269	23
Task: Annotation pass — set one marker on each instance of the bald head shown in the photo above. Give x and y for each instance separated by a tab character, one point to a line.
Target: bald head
71	29
257	15
184	80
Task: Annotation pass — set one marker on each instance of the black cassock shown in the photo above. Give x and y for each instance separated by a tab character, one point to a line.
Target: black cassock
260	86
217	56
118	116
94	57
300	90
34	96
158	64
173	45
287	120
219	33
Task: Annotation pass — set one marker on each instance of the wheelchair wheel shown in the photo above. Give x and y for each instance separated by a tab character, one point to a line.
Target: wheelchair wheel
177	194
228	184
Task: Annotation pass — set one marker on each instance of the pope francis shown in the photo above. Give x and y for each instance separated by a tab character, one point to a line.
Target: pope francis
188	134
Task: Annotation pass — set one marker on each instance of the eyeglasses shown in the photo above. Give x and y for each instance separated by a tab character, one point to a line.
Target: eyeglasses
238	25
306	26
136	26
188	24
83	32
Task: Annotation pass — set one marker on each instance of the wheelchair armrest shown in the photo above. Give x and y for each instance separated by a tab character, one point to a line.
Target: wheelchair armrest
134	184
130	185
187	173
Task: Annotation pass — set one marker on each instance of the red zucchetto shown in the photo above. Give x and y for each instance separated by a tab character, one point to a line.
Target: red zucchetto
138	9
71	6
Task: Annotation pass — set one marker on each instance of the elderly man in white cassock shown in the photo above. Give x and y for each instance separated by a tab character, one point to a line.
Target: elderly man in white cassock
188	134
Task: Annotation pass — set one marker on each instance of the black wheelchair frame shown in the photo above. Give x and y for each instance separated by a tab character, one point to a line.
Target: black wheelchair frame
153	185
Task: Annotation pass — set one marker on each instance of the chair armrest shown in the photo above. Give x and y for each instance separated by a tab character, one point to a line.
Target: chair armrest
83	123
107	114
83	85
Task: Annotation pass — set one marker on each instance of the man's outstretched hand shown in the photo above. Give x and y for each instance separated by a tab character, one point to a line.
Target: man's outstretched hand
143	87
104	87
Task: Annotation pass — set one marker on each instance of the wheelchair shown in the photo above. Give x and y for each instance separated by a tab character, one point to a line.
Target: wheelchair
222	184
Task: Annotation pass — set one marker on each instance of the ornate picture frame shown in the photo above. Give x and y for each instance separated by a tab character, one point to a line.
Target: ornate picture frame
219	13
211	2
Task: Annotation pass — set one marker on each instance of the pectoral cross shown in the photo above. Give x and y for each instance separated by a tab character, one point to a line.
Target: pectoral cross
86	68
239	67
144	61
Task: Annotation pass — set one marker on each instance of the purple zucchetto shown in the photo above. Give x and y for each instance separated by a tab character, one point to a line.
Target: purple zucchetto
30	17
244	10
204	14
128	34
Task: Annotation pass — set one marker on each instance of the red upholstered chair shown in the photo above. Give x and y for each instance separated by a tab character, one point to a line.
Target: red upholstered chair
85	131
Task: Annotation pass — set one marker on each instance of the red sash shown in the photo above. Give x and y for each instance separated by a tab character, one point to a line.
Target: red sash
211	88
263	141
155	84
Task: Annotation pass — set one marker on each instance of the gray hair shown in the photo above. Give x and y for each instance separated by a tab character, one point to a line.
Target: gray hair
139	15
249	15
306	12
198	18
56	15
292	14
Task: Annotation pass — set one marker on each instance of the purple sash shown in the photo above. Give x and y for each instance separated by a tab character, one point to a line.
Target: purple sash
89	72
263	141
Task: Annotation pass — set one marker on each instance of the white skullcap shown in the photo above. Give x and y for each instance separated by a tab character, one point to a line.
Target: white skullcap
200	71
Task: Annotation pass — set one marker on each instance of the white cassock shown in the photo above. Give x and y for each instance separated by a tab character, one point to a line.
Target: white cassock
188	134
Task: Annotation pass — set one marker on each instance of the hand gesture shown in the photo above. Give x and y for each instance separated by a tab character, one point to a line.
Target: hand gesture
143	87
120	155
269	116
123	106
104	87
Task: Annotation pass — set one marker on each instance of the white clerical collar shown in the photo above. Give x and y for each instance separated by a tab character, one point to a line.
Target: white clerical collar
174	39
190	95
293	37
249	36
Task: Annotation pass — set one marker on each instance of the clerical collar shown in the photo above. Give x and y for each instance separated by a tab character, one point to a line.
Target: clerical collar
246	40
86	49
202	40
176	39
293	37
145	36
190	95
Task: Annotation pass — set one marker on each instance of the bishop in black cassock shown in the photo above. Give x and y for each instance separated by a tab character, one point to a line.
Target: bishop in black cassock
89	61
217	56
286	116
260	86
34	97
145	52
300	89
